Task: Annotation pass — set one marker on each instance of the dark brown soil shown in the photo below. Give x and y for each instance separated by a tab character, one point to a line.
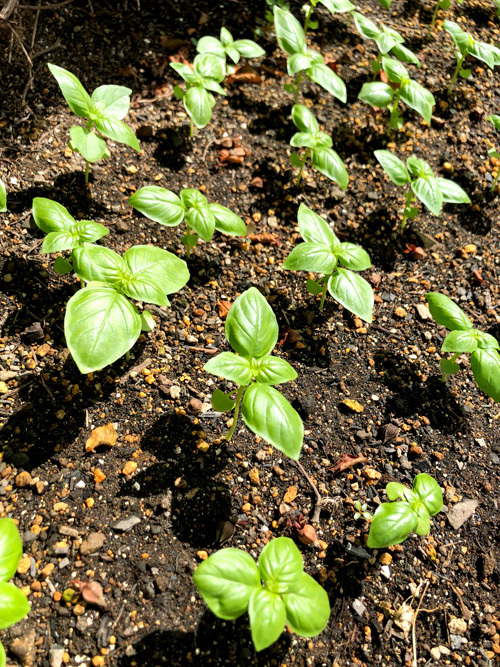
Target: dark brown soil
180	493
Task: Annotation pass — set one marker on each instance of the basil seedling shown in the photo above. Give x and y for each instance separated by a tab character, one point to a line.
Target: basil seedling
302	61
13	604
104	111
432	191
333	6
387	40
3	197
168	209
393	522
252	332
206	75
495	121
226	46
318	147
323	253
467	45
383	95
482	347
275	592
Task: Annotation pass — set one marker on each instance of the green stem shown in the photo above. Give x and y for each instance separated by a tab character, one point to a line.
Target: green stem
239	396
453	359
306	155
188	247
434	16
308	18
455	73
86	172
378	60
297	89
410	197
127	355
394	108
496	179
323	293
191	128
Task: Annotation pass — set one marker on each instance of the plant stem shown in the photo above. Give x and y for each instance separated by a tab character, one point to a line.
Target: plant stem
86	172
191	128
455	73
297	89
188	247
453	359
323	294
394	108
239	396
127	355
306	155
496	179
434	16
409	196
308	18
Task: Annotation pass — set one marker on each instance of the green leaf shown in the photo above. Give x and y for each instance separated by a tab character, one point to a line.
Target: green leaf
393	167
210	44
377	94
74	93
327	79
423	519
396	490
202	221
231	367
311	257
313	287
199	104
495	121
314	229
89	231
273	370
268	414
460	37
289	32
419	167
158	204
96	263
248	48
298	62
308	608
353	292
209	66
3	197
295	160
13	605
57	241
192	198
221	402
365	26
485	340
483	52
190	240
485	365
353	257
419	98
449	367
281	566
329	163
428	192
113	100
50	216
3	657
267	615
154	272
251	326
429	492
405	55
87	143
339	6
464	73
62	266
396	71
226	580
147	321
186	72
452	192
447	313
304	120
391	524
459	341
115	129
226	221
387	39
303	139
178	92
11	549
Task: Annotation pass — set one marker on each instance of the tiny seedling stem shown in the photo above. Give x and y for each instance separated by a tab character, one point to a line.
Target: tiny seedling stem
191	131
239	396
394	109
188	233
434	16
86	172
306	155
410	197
297	89
496	179
455	73
323	293
308	18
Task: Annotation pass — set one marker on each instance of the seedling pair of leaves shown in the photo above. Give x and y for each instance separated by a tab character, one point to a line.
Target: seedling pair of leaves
302	61
252	332
13	604
104	111
276	592
318	147
324	253
101	324
463	338
393	522
383	95
432	191
467	45
386	39
165	207
227	47
495	121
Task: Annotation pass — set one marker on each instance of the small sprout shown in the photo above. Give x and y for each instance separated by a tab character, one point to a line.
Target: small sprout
362	511
495	121
440	4
3	197
323	253
464	339
252	332
432	191
393	522
318	147
275	592
227	47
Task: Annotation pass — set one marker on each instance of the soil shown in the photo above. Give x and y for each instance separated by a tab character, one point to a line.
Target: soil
170	476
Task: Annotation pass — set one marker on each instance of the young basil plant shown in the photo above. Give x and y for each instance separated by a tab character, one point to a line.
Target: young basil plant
276	592
205	76
387	40
393	522
104	111
165	207
13	604
3	197
252	331
227	47
383	95
495	121
302	61
463	338
432	191
333	6
318	147
324	253
466	45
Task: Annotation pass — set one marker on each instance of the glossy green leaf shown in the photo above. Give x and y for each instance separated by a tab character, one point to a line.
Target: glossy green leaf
202	221
96	263
418	98
429	492
377	94
314	229
209	66
273	370
452	192
353	257
62	266
267	614
231	367
281	566
365	26
299	62
395	70
289	32
13	605
226	580
154	272
486	340
391	524
199	104
3	657
311	257
147	321
248	48
89	231
3	197
308	608
339	6
303	140
393	167
115	129
353	292
87	143
57	241
329	163
303	119
429	194
396	490
226	221
387	39
221	402
483	52
447	313
74	93
11	549
495	121
113	100
423	519
268	414
50	216
186	72
405	55
459	341
208	44
251	326
158	204
419	167
485	365
460	37
449	367
327	79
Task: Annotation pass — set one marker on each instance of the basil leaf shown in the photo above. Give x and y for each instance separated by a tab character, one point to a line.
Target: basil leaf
376	93
62	267
147	321
11	549
396	71
337	5
113	100
327	79
226	581
460	37
446	312
448	367
298	62
199	104
418	98
289	32
248	48
365	26
303	119
74	93
483	51
393	167
352	292
158	204
13	605
485	365
429	492
267	614
423	519
329	163
281	566
396	490
273	370
93	262
485	340
221	402
209	66
311	257
57	241
251	326
3	657
387	39
303	139
154	272
231	367
50	216
391	524
267	413
429	193
308	608
87	143
459	341
353	257
405	55
313	287
226	221
115	129
209	44
187	72
495	121
452	192
419	167
202	221
314	229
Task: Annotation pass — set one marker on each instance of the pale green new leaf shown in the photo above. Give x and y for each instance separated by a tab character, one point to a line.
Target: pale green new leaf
418	98
311	257
429	492
281	566
96	263
231	367
353	292
113	100
273	370
377	94
447	313
199	104
314	229
202	221
428	192
452	192
485	365
327	79
353	257
87	143
50	216
308	608
158	204
11	549
267	614
251	326
289	32
365	26
154	272
248	48
79	101
459	341
304	120
393	167
226	221
329	163
115	129
391	524
13	605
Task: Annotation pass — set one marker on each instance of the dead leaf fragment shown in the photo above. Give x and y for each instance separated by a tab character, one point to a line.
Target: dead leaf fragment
224	307
92	593
102	436
290	494
352	405
347	461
